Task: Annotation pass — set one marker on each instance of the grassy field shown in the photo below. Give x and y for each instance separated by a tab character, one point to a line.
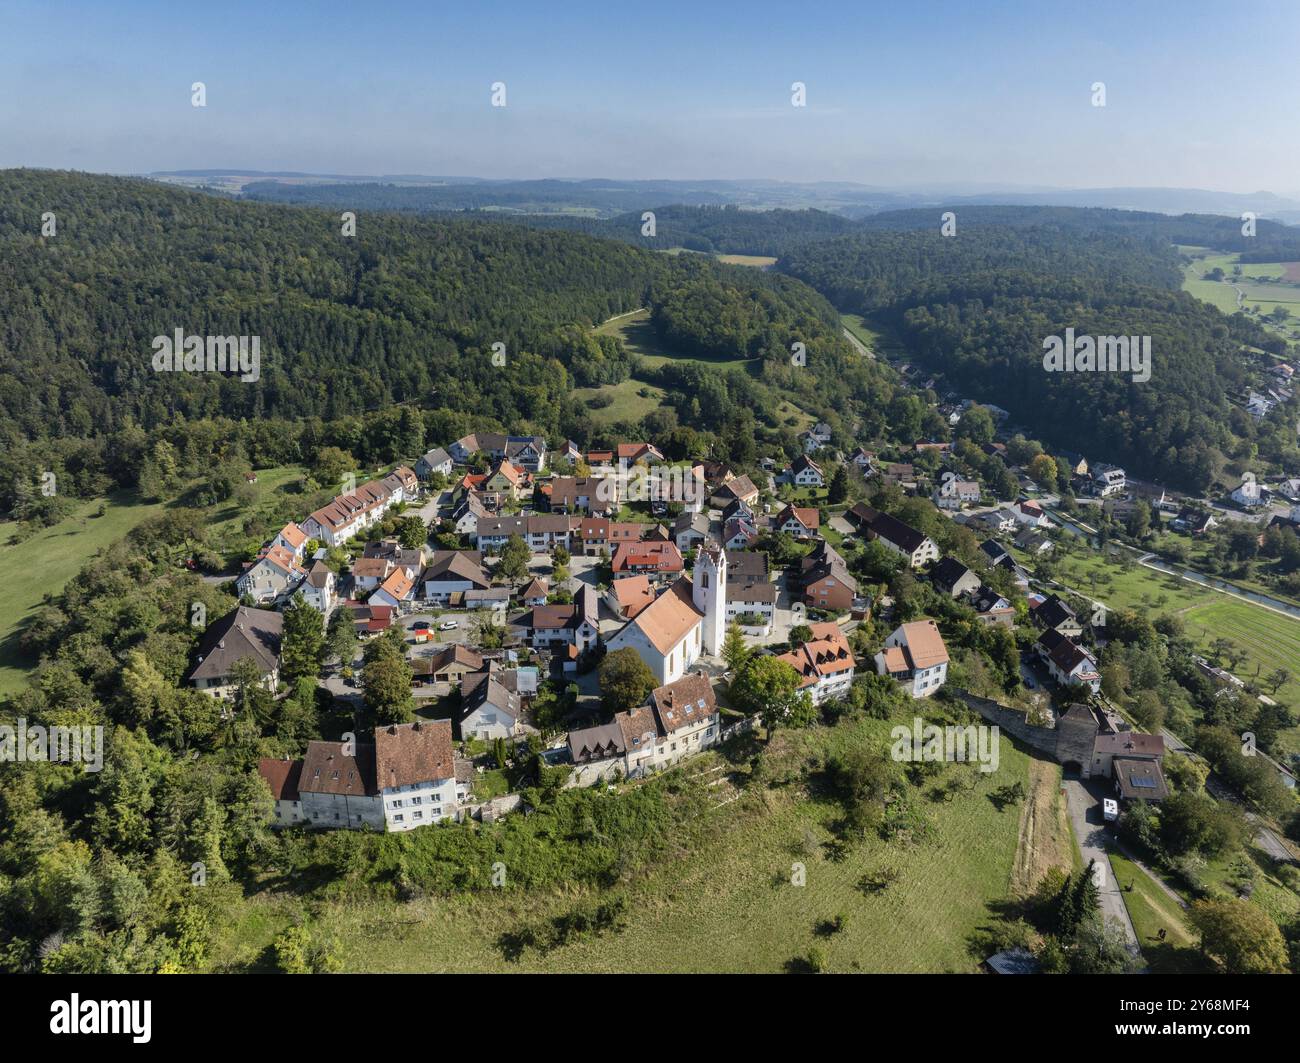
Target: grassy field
725	906
758	261
272	485
44	563
628	404
1270	640
1153	910
639	337
881	341
1261	284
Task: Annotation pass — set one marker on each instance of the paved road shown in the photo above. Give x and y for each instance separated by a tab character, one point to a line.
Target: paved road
857	344
1090	832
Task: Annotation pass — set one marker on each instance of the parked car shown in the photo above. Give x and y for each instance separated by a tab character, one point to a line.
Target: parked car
421	625
449	625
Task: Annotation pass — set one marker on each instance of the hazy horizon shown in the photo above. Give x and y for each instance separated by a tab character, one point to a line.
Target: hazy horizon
933	96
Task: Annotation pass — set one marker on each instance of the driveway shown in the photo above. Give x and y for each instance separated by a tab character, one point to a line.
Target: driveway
1089	828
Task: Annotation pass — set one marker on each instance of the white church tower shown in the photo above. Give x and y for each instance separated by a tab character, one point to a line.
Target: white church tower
709	593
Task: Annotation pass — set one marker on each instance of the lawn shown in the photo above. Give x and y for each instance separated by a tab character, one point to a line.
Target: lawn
1153	910
44	563
726	904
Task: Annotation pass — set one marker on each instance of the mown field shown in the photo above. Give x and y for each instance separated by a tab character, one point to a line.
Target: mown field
1270	640
726	905
44	563
757	261
1262	284
1153	910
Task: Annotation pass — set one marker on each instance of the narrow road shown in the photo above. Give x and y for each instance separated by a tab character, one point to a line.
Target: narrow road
857	344
1090	832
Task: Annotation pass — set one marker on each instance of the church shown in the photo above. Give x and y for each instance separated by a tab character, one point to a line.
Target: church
685	621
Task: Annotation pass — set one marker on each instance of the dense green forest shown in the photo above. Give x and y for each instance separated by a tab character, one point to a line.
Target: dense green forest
404	313
978	306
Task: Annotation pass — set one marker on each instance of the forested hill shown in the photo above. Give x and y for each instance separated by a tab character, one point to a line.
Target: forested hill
406	314
408	306
1272	242
978	305
725	230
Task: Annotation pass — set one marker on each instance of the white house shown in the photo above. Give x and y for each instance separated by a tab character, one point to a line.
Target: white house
1108	480
488	710
818	436
415	773
804	472
916	656
1068	662
1031	514
337	786
825	663
320	588
1251	493
292	538
436	460
893	534
451	572
282	777
396	589
275	572
680	720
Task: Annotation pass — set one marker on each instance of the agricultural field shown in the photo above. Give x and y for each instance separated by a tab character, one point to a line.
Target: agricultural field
757	261
1262	284
728	902
1269	639
44	563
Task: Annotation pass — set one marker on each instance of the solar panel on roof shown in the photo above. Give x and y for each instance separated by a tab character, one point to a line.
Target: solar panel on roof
1141	780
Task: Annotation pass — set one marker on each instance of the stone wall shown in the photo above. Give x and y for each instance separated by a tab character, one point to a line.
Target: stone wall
1012	721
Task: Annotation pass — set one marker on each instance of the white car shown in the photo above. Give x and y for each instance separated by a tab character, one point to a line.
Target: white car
449	625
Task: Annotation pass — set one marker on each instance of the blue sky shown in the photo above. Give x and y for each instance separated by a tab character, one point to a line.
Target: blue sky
918	94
